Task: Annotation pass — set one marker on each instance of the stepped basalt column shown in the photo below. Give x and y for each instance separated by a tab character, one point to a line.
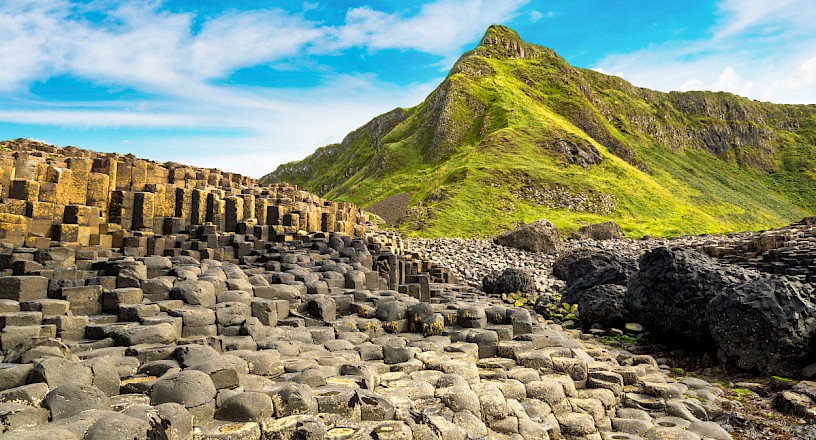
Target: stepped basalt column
84	198
787	251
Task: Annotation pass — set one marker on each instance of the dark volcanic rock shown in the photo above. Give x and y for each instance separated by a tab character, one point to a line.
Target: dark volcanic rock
603	304
508	281
672	289
538	236
768	324
604	267
600	231
596	281
71	399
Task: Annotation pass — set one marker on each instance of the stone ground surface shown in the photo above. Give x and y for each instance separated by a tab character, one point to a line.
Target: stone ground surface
307	346
339	338
145	300
750	408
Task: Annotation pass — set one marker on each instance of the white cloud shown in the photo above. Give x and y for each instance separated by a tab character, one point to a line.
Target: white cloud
439	28
101	118
23	43
739	16
275	125
535	16
179	61
237	40
761	49
602	70
138	44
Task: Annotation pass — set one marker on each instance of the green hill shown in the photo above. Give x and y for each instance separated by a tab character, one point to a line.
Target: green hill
514	134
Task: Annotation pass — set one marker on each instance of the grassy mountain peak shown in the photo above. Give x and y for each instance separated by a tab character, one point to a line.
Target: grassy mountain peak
514	134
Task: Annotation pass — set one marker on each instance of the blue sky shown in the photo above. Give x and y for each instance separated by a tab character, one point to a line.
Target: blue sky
247	85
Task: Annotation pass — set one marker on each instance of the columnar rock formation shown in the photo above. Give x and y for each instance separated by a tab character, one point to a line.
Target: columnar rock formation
83	198
787	251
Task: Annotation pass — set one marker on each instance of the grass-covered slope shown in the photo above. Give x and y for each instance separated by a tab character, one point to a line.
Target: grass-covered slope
515	134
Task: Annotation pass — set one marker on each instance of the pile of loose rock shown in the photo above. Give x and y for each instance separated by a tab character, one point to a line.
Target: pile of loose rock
311	341
473	259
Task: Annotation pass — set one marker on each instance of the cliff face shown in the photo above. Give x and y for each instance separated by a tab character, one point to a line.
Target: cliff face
514	121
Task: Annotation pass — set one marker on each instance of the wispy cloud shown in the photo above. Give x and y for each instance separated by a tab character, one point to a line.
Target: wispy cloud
762	49
763	16
440	28
182	62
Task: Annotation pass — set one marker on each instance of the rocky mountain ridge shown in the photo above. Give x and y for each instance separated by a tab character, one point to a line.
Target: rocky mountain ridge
512	117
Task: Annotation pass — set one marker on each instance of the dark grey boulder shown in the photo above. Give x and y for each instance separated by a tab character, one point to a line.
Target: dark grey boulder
157	368
168	420
338	241
71	399
392	311
584	268
58	371
232	313
14	375
301	427
194	292
17	416
374	406
119	427
671	290
538	236
163	333
279	291
105	375
488	342
419	312
472	316
189	388
338	400
193	354
603	304
46	432
246	407
222	374
194	315
322	307
292	399
510	280
600	231
767	324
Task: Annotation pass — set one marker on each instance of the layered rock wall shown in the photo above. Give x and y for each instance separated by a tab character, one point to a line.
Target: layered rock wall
83	198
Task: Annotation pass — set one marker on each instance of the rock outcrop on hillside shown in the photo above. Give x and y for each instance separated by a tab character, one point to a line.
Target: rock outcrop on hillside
589	143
